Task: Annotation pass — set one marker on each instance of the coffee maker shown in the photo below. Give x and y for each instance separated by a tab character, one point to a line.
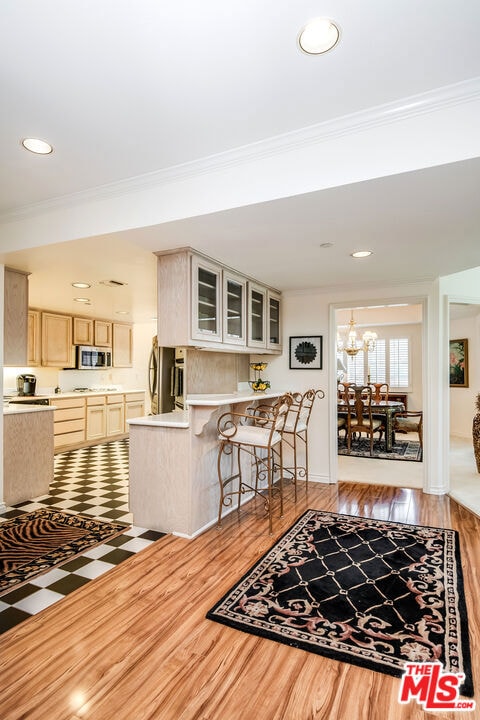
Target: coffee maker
26	384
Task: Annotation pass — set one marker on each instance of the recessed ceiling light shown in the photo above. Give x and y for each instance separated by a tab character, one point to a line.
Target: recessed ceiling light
121	312
37	146
82	300
82	285
361	253
318	36
326	245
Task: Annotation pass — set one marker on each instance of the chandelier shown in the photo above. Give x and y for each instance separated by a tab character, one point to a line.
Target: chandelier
351	345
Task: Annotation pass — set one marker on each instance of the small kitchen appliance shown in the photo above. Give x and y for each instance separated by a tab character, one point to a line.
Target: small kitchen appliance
26	384
93	358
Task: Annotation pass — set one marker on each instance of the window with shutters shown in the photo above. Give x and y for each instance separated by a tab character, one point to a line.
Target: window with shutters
388	362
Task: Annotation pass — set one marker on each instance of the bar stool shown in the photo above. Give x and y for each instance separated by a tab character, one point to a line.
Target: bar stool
295	433
258	435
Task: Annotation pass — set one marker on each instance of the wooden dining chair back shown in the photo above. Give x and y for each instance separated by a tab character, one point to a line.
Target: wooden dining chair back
380	392
409	421
359	415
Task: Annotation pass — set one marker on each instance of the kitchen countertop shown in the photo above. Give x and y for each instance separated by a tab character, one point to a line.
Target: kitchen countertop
71	393
21	408
182	419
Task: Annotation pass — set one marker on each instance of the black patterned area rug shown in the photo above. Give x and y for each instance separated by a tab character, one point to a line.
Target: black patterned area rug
401	450
372	593
33	543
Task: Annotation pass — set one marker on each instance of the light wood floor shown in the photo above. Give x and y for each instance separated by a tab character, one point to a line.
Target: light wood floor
135	644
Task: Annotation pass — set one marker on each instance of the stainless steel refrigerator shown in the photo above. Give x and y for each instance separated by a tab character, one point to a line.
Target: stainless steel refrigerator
166	378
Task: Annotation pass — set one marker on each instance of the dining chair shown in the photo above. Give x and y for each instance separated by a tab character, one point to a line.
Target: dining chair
359	415
409	421
256	435
380	392
295	434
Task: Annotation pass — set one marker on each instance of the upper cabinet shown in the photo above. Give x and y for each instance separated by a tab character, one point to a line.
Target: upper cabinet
57	345
34	338
15	327
122	345
82	331
206	304
206	300
102	333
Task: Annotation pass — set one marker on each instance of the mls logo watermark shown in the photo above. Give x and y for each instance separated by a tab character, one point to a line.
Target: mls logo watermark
431	687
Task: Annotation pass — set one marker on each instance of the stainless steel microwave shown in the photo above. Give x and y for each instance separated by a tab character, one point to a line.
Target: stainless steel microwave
93	358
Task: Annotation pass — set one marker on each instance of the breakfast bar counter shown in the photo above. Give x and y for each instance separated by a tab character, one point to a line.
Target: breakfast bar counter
173	481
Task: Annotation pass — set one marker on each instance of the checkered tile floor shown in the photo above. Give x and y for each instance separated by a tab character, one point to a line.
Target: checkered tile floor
91	481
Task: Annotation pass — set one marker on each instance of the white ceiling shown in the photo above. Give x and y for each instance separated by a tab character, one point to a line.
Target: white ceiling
122	89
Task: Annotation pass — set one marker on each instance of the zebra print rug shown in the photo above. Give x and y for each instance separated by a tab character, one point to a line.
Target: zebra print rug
33	543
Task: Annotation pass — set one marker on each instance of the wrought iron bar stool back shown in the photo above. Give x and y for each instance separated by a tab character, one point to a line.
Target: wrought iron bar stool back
295	434
257	437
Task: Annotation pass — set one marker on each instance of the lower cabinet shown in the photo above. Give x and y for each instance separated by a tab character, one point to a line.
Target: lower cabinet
68	421
94	418
115	415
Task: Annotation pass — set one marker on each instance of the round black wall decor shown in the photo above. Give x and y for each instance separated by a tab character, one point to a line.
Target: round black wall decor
306	352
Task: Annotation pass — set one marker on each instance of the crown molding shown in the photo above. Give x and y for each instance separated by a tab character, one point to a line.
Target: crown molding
399	110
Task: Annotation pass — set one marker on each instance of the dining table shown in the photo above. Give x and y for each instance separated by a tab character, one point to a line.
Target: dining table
382	409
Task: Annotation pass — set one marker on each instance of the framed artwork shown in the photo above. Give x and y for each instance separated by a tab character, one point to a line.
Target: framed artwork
306	352
459	363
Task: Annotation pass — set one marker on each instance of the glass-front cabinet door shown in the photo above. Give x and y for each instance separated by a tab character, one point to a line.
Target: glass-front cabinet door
257	304
234	308
274	338
206	299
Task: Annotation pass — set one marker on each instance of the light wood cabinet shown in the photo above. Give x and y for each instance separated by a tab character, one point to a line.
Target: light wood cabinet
82	331
34	338
203	303
122	345
257	316
134	406
274	320
69	421
103	333
115	415
15	325
96	417
57	347
234	309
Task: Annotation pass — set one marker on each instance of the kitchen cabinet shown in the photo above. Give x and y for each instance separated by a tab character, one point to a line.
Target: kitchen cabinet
57	346
234	309
69	421
96	417
15	323
134	406
257	315
122	346
115	415
206	300
103	333
274	325
205	304
82	331
34	338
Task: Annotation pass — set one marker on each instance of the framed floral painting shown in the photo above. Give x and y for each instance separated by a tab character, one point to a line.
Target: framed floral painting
459	363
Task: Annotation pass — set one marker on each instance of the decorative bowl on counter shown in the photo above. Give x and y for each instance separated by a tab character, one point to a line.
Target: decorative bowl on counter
259	385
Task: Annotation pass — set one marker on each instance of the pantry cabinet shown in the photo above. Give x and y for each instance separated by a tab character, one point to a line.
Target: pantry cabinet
208	305
15	321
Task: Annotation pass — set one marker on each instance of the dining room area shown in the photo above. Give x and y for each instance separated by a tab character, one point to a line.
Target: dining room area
379	394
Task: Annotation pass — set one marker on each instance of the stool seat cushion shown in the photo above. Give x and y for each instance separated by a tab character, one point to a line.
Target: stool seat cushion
251	435
290	426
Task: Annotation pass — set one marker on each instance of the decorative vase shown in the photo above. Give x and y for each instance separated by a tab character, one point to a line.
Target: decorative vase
258	385
476	433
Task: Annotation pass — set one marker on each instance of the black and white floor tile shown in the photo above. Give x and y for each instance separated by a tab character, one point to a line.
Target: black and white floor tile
90	481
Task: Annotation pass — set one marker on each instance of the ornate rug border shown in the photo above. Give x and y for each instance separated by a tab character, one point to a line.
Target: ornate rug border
335	654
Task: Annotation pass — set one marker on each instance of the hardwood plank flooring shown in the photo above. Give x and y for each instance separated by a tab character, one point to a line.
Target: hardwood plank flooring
135	645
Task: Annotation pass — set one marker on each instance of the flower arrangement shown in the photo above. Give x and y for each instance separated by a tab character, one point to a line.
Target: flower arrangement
259	385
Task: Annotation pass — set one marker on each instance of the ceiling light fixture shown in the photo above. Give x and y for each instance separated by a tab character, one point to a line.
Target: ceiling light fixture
81	285
318	36
361	253
37	146
82	300
121	312
350	345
